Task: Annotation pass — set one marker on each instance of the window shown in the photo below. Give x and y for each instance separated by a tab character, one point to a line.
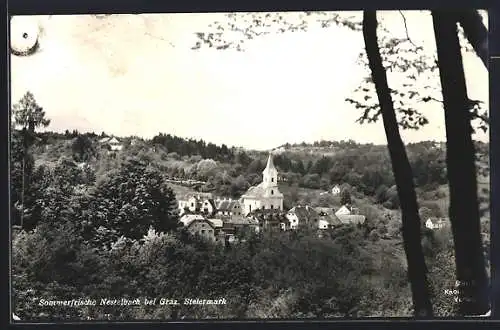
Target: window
203	231
192	204
272	206
272	192
272	179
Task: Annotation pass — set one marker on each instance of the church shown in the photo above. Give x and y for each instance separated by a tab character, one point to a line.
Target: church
266	194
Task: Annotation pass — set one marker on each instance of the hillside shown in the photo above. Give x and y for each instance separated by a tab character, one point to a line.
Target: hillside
308	169
352	270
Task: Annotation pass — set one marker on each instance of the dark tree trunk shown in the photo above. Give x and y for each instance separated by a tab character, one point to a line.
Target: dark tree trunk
417	270
464	208
476	33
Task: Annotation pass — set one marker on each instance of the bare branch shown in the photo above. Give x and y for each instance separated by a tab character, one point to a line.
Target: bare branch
406	29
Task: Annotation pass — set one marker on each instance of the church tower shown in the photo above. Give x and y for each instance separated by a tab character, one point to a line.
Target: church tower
265	195
270	178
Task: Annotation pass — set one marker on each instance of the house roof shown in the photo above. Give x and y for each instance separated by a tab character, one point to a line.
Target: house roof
226	205
210	201
267	211
201	220
304	212
285	221
343	208
110	139
228	226
240	220
331	219
197	196
436	220
114	140
255	191
187	219
217	223
324	211
258	191
351	218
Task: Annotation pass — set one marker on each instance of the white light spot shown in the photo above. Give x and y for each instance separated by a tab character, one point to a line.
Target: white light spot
24	35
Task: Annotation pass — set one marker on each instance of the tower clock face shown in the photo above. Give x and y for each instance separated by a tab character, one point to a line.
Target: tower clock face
24	35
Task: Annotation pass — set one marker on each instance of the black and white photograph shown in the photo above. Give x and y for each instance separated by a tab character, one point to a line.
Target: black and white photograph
308	165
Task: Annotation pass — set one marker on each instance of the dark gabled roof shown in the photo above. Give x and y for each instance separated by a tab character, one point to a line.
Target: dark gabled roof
228	205
227	225
304	213
324	211
285	221
240	220
211	201
198	196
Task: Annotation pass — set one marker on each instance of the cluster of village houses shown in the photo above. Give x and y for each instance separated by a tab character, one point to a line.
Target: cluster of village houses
218	219
214	218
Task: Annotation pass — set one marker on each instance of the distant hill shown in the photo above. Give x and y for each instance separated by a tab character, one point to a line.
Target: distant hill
316	167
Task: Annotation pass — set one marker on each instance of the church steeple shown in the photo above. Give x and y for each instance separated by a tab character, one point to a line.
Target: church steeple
270	173
270	163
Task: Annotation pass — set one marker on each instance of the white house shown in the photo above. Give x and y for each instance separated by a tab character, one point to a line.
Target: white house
336	190
435	223
323	224
344	210
429	224
113	143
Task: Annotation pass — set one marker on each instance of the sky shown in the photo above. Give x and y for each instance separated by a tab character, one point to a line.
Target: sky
138	75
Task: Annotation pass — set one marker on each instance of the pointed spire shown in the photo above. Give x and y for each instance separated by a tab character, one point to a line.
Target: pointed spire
270	163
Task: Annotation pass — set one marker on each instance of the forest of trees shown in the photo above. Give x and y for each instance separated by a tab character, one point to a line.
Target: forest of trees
364	166
105	209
